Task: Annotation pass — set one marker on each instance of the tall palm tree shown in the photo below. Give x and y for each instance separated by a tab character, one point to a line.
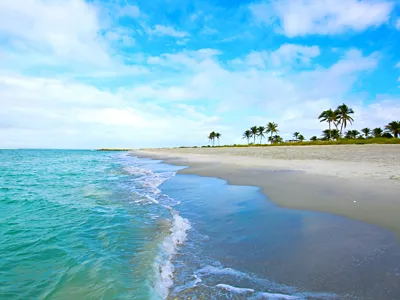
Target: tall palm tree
301	138
261	130
296	135
218	135
377	132
343	113
211	137
254	132
336	120
394	128
247	135
329	116
272	128
366	132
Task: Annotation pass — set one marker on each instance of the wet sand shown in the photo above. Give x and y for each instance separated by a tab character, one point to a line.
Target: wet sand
361	182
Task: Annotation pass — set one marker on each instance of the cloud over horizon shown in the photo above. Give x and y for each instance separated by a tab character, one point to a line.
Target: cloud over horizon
79	74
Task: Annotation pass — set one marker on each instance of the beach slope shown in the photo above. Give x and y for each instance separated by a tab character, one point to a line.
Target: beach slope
361	182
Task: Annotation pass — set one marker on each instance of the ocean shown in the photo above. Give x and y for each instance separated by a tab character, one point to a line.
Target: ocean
108	225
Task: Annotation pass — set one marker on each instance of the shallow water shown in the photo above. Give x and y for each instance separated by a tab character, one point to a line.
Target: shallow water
243	246
98	225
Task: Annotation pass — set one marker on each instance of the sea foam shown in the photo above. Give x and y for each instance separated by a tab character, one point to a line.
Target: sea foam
148	186
164	267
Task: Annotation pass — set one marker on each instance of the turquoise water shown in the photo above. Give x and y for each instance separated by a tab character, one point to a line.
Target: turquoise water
78	225
103	225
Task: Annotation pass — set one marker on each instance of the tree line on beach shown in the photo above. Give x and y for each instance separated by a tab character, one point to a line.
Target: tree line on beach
337	120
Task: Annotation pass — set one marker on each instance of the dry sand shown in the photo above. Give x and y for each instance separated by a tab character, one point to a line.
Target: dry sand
357	181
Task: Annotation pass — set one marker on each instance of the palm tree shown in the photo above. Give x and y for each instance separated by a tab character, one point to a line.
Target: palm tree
393	128
301	138
275	139
247	135
329	116
326	134
335	134
352	134
387	135
211	137
261	130
343	113
218	135
377	132
336	120
296	135
254	132
366	132
272	128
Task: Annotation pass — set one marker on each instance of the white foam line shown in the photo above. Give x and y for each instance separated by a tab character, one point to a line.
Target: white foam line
164	267
277	296
234	289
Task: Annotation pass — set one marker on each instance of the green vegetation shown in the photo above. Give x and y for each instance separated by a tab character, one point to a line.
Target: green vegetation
341	117
321	142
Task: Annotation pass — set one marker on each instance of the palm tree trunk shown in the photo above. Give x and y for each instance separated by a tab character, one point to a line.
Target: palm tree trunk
271	137
254	140
330	131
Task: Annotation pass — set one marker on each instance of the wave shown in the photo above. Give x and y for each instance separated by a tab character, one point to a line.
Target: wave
147	192
163	267
246	286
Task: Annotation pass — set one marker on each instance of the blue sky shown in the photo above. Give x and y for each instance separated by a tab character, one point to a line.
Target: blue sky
88	74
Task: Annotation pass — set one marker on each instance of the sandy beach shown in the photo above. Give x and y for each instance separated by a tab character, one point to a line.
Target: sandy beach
361	182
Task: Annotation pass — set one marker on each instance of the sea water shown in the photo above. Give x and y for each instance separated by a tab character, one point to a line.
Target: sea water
106	225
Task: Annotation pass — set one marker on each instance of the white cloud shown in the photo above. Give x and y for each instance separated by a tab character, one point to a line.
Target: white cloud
62	38
120	35
63	29
129	11
128	40
289	53
292	99
286	55
39	112
168	31
303	17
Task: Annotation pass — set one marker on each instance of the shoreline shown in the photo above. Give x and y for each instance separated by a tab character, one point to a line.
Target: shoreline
367	192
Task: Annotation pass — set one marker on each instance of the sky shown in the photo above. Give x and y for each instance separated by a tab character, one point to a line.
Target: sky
161	73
